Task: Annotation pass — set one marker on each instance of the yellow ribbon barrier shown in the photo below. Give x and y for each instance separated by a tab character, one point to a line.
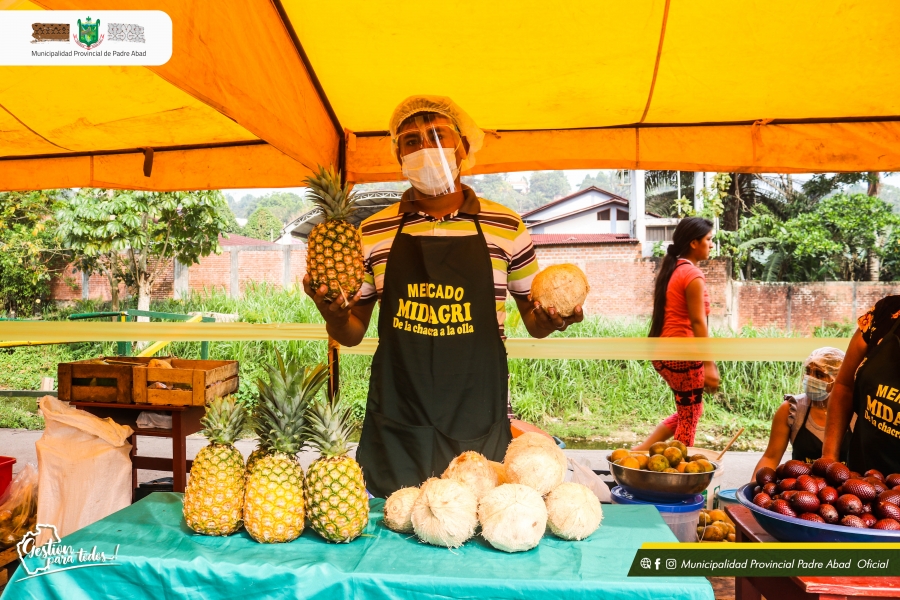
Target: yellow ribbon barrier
157	346
722	349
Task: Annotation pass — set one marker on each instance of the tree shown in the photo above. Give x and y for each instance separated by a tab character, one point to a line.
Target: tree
544	187
231	224
144	229
263	225
497	188
833	241
29	248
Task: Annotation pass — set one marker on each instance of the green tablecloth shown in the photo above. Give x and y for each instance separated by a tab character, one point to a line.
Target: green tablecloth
159	557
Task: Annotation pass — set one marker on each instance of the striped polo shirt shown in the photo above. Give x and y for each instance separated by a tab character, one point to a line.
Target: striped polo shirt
509	243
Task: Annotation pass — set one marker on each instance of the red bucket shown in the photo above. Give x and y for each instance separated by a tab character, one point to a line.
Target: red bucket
6	465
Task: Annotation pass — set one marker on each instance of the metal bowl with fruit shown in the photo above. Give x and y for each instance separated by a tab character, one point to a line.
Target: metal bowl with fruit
824	502
664	474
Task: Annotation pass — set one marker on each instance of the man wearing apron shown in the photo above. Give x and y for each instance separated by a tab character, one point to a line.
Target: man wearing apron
441	262
869	386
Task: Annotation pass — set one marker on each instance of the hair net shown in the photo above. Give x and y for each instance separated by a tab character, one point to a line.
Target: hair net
827	360
444	106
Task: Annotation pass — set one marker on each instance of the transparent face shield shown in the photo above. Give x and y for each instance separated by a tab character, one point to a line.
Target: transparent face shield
428	153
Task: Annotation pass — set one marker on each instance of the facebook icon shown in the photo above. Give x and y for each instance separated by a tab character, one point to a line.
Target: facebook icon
656	564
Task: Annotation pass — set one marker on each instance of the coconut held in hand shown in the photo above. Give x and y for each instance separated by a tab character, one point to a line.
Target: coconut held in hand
398	510
562	287
445	513
535	463
573	511
473	471
513	517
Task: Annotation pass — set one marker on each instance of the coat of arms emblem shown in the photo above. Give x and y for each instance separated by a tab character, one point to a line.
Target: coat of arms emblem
88	33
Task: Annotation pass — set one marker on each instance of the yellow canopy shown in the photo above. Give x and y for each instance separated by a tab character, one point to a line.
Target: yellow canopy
258	92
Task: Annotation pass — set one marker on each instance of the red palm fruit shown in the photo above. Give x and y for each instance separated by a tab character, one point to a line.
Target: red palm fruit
757	489
829	514
779	473
765	475
892	496
874	473
837	474
877	484
803	502
820	484
812	517
886	510
892	480
771	489
786	484
860	488
887	524
848	504
866	507
868	519
821	465
852	521
796	468
762	500
855	475
788	495
783	508
806	483
828	495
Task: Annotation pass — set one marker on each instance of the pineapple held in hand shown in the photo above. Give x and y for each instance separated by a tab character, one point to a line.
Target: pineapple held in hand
214	497
335	491
334	252
273	504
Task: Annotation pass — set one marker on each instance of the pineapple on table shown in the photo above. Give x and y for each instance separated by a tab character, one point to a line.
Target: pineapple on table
336	498
214	497
273	502
334	255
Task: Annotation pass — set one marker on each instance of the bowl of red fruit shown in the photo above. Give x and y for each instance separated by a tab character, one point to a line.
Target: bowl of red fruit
824	502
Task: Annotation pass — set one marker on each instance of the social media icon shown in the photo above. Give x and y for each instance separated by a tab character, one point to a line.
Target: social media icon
656	564
671	563
645	562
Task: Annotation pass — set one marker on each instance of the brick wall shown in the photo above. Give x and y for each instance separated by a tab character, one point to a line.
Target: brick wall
621	283
622	280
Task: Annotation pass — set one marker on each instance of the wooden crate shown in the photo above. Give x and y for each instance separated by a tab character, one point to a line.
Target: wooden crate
82	381
196	382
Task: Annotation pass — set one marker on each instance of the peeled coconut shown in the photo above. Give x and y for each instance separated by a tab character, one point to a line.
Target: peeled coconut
445	513
500	470
531	438
474	471
542	467
398	509
562	287
573	511
513	517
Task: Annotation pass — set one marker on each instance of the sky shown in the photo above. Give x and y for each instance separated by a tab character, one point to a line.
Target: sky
575	178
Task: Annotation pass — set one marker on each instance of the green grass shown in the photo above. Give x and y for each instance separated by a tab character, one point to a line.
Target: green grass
608	400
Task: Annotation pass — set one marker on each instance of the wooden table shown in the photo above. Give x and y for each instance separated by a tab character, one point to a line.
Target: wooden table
185	421
797	588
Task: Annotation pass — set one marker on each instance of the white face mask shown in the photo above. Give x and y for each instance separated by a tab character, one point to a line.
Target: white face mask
432	171
815	389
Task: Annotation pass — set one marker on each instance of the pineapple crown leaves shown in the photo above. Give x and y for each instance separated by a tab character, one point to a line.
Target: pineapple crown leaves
279	418
224	420
328	427
337	202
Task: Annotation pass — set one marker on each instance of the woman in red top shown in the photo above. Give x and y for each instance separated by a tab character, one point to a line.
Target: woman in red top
680	309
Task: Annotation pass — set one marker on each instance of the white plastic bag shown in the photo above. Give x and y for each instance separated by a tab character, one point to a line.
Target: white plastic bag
584	475
154	420
84	467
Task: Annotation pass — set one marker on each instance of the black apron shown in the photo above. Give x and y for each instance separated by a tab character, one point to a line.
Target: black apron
806	445
439	377
876	401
